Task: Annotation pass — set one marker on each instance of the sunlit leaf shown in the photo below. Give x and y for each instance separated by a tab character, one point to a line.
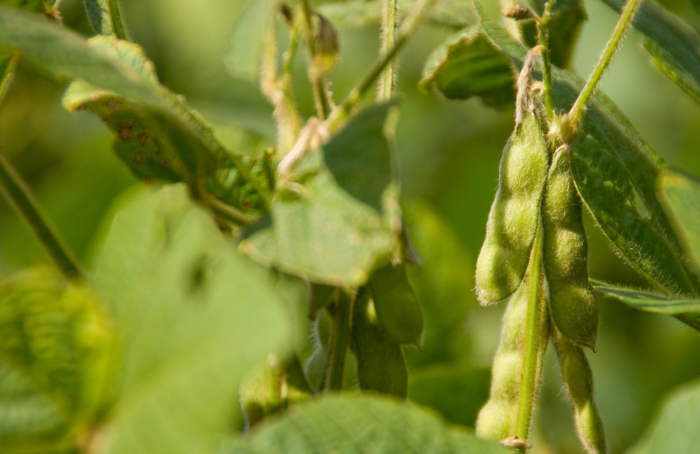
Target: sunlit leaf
680	196
674	46
195	317
341	223
350	424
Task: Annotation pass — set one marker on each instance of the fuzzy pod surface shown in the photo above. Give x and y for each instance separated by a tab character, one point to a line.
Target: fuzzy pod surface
397	304
316	365
572	300
578	381
498	418
514	216
381	365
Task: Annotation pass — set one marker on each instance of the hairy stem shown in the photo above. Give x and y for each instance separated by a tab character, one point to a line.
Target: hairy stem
20	197
388	77
323	106
543	37
533	338
575	115
408	27
339	343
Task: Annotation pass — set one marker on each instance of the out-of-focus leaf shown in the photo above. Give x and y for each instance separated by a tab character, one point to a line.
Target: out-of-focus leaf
615	172
348	424
468	65
342	222
673	45
676	428
54	360
398	307
243	58
445	286
564	29
457	392
105	17
195	318
680	196
651	302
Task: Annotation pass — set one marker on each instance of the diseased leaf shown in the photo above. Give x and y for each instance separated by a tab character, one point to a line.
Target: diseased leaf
680	196
651	302
54	360
339	220
348	424
673	45
564	29
675	429
195	318
468	65
615	172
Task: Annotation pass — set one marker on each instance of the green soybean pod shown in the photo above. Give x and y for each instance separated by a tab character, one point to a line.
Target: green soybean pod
572	301
514	216
498	418
381	365
578	380
317	363
397	305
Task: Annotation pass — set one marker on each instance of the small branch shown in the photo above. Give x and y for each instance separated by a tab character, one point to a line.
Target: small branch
20	197
117	23
409	26
543	37
388	77
339	343
575	115
323	106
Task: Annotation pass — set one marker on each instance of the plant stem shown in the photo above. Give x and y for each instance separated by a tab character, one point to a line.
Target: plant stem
388	77
117	23
575	115
18	194
543	37
339	343
408	27
323	106
533	331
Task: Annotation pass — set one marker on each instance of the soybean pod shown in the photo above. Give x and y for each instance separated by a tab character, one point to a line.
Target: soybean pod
578	381
381	365
572	301
398	307
514	216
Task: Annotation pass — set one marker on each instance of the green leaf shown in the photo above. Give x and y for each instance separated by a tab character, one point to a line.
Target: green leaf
615	172
339	220
456	391
564	29
674	46
675	430
348	424
651	302
195	318
247	38
680	196
105	17
54	360
468	65
398	307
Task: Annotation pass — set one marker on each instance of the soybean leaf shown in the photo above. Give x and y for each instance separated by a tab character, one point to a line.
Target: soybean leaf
680	196
468	65
564	29
673	45
244	56
105	17
615	172
342	222
675	429
348	424
195	317
650	302
456	391
54	360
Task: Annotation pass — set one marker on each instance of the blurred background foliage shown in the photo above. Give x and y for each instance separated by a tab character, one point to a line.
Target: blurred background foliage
449	153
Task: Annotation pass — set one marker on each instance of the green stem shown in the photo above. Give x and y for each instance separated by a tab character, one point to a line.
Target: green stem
339	343
532	347
408	27
323	106
18	194
543	36
575	115
388	77
117	23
